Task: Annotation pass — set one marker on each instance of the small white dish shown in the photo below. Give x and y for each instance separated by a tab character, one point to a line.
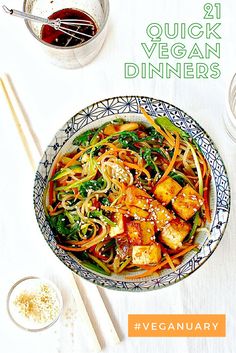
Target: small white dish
34	304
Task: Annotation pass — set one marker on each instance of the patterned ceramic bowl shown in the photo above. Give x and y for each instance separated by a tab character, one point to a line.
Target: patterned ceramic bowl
127	107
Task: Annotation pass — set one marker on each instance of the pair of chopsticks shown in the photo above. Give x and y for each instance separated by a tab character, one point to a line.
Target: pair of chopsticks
33	150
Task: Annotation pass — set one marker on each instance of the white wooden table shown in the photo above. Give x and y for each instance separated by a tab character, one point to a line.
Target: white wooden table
51	96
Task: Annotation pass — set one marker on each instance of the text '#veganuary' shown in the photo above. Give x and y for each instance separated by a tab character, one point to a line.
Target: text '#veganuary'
173	325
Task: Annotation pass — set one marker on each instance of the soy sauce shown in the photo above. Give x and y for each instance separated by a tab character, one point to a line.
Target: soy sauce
58	38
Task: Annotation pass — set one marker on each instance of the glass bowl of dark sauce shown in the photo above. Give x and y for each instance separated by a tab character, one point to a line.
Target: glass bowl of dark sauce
74	46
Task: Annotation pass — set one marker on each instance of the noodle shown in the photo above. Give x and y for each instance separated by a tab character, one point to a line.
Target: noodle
112	203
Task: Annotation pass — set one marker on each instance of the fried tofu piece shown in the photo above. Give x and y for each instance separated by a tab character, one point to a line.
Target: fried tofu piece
166	190
140	233
123	247
137	212
137	197
147	232
160	215
118	218
139	192
187	202
174	233
141	203
134	232
146	254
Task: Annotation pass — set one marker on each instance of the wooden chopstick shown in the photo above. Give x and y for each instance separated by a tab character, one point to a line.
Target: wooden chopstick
10	96
29	139
17	122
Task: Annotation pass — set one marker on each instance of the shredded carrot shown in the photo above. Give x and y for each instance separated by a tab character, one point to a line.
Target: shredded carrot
81	242
114	209
172	162
169	135
185	251
121	185
206	197
76	156
62	181
158	129
55	208
121	200
107	153
141	169
162	264
111	145
114	150
76	192
51	191
170	262
150	271
202	159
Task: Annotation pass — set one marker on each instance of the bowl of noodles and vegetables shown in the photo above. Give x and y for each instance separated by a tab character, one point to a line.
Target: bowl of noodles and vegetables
129	200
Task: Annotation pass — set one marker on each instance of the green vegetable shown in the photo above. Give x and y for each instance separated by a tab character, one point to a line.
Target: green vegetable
165	123
100	215
60	224
177	177
61	194
111	243
63	172
127	139
118	121
94	267
84	139
105	201
194	227
146	154
72	217
95	137
100	264
91	138
152	134
198	167
52	221
95	151
181	178
84	229
98	184
196	145
158	150
76	183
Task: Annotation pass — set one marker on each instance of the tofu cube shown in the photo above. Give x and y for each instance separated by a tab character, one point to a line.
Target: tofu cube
187	202
137	197
174	233
140	232
137	212
118	218
134	233
123	248
160	215
147	232
139	192
166	190
146	254
141	202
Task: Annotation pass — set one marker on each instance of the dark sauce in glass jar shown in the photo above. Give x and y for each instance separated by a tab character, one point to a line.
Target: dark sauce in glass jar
58	38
